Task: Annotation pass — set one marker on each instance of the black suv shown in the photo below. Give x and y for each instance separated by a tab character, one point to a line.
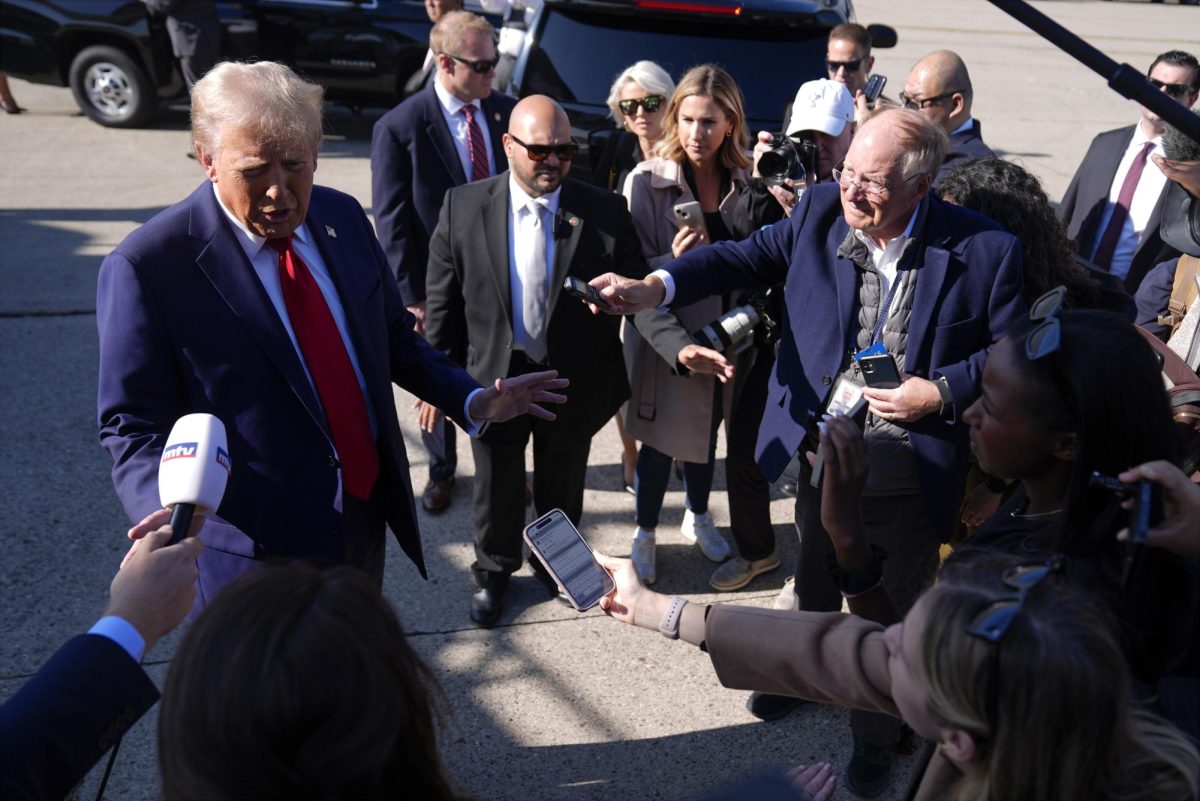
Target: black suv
118	62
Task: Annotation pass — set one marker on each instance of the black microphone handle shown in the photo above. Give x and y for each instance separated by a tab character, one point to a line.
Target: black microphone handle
181	520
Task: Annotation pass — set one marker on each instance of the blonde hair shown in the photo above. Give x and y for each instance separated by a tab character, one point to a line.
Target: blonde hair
1067	726
450	32
924	142
265	97
708	80
646	74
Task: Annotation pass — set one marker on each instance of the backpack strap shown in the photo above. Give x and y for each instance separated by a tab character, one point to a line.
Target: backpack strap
1183	292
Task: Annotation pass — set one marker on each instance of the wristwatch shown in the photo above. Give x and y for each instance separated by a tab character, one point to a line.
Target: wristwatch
669	626
944	390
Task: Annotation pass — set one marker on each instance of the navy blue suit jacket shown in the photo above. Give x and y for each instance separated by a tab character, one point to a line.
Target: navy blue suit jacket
413	164
67	715
967	296
965	146
186	326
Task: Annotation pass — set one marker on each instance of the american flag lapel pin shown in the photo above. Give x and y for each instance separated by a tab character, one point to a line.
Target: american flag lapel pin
332	233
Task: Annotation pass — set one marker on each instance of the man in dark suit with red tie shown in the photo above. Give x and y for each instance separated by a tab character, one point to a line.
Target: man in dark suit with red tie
1114	205
444	136
267	302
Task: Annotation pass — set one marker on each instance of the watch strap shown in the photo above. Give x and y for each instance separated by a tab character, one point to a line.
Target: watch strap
669	626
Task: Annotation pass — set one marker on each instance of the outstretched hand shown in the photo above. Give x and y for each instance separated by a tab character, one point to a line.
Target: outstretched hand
523	394
156	585
630	601
626	295
707	361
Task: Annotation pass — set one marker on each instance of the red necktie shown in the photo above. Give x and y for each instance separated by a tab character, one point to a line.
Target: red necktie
331	370
476	146
1103	256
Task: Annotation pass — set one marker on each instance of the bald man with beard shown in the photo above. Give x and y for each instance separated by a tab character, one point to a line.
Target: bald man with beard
939	87
499	255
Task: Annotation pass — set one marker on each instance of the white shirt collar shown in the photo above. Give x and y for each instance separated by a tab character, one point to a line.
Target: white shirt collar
521	198
898	240
251	242
451	104
1140	139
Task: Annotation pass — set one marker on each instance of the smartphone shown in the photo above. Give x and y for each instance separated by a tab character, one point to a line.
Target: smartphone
585	291
874	87
690	214
568	558
880	371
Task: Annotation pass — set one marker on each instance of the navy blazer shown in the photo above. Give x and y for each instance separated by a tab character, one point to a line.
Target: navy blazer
967	296
186	326
964	146
413	163
67	715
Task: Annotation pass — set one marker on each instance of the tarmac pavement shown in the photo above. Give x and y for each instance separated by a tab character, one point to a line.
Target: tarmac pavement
550	704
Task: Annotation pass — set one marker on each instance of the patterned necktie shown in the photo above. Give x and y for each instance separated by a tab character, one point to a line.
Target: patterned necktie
534	281
476	147
1103	256
332	373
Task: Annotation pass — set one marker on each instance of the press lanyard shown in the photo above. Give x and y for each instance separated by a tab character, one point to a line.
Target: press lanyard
886	307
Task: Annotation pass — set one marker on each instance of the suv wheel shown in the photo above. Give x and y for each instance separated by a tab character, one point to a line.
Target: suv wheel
111	88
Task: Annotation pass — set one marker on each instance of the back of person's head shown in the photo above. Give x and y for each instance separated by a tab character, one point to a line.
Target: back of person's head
1013	197
298	683
265	98
1064	725
1104	386
708	80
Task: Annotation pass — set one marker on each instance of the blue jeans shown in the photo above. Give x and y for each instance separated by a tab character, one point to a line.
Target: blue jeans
653	473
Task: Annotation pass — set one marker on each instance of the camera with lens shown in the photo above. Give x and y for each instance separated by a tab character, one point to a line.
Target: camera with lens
748	323
793	157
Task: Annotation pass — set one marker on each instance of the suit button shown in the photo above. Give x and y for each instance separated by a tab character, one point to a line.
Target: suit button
826	380
332	462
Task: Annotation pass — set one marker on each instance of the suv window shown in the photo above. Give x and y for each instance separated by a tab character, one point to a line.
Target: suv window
769	61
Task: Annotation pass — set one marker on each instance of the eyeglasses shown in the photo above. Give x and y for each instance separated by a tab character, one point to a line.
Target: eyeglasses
851	66
1046	338
650	102
872	189
917	105
480	67
540	153
994	621
1175	90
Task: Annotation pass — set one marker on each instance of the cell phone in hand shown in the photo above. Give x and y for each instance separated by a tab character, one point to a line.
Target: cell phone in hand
880	371
586	292
846	399
569	559
874	87
692	215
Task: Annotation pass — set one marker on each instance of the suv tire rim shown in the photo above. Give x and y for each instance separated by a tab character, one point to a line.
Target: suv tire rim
109	89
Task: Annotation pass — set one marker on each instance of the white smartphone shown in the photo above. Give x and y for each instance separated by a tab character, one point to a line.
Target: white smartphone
569	559
690	214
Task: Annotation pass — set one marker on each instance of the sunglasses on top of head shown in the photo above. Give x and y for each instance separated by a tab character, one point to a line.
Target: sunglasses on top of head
539	153
1175	90
650	102
480	67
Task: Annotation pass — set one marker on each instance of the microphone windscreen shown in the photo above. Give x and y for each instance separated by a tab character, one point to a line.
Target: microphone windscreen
195	464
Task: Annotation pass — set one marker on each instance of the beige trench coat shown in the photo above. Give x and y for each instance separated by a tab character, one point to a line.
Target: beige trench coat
671	412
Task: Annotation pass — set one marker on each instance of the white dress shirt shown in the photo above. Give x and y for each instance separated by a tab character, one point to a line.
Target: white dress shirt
457	122
520	225
1145	198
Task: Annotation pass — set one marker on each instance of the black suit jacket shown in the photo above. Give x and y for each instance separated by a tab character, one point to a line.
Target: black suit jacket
67	715
413	163
469	309
1083	206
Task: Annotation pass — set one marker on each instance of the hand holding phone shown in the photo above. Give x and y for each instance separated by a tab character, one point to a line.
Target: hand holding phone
874	87
568	559
879	371
691	215
585	292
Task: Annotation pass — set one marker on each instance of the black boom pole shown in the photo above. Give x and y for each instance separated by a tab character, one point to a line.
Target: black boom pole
1124	79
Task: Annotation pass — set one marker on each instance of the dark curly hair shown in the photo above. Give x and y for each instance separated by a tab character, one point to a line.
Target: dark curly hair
1013	197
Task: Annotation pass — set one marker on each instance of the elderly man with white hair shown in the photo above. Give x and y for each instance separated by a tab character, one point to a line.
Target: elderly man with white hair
267	301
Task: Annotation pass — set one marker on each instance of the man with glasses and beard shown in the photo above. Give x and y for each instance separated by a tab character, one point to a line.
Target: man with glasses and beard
939	87
499	256
1114	205
445	135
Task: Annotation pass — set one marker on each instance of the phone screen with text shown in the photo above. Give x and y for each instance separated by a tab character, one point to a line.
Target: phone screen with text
569	559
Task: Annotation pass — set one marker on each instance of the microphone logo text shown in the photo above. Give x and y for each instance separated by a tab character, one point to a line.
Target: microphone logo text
180	450
224	461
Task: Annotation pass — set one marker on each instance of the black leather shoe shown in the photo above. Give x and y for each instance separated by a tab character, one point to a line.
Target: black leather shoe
765	706
486	608
547	581
867	773
436	496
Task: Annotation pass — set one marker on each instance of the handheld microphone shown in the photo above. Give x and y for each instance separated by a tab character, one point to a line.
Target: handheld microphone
194	470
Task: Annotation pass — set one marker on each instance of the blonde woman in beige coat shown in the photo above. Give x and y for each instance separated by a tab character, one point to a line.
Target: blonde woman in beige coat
676	400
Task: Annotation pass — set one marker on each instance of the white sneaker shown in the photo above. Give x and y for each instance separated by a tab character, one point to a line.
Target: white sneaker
642	555
701	530
787	598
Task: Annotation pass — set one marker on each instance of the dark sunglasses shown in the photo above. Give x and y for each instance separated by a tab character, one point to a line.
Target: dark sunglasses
994	621
917	105
650	102
851	66
481	67
540	153
1175	90
1045	338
